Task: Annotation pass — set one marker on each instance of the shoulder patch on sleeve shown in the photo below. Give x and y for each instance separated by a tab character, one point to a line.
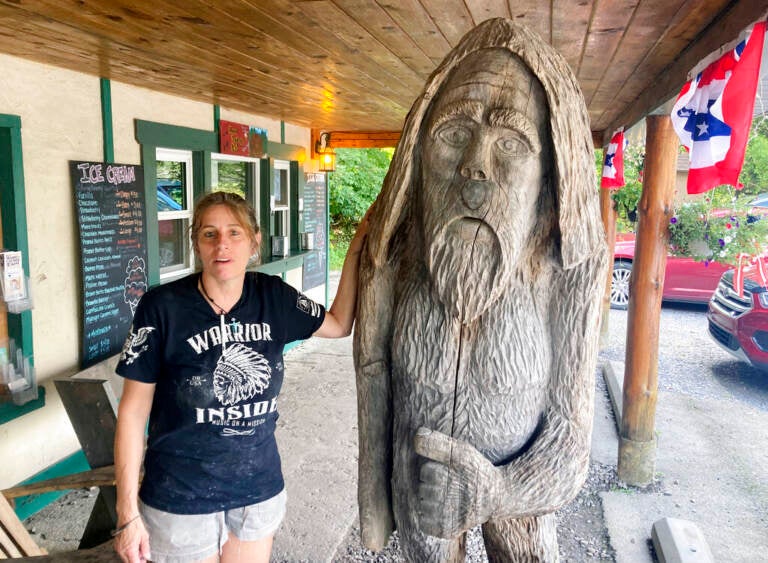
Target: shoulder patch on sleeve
307	306
135	344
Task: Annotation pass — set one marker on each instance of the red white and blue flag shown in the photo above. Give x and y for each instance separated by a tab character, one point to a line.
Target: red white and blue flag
613	165
713	114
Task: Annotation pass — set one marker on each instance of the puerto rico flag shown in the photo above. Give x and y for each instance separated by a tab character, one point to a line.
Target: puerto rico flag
613	165
713	114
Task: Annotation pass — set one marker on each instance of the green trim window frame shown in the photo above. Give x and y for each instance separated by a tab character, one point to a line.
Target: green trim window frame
152	136
204	145
280	200
175	197
14	229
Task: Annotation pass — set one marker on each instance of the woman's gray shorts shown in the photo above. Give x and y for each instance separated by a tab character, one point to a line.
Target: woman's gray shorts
181	538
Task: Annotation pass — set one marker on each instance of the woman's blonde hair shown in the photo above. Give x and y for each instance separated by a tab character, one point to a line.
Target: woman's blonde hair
237	205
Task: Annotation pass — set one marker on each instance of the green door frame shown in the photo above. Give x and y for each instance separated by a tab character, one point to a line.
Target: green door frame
14	217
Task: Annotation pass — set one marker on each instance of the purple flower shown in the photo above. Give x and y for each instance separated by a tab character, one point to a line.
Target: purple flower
706	263
721	242
673	220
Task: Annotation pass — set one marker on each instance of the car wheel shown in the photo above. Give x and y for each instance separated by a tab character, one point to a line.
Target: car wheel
620	285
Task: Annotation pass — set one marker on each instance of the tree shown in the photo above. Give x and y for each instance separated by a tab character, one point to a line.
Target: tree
353	188
356	183
754	174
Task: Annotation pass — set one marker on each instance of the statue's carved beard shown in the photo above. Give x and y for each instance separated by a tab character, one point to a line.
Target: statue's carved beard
467	267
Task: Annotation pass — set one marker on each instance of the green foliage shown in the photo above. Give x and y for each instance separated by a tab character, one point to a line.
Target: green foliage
231	177
353	188
717	227
340	239
754	174
705	231
356	183
626	198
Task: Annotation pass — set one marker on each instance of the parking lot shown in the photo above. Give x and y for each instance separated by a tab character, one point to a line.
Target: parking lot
690	361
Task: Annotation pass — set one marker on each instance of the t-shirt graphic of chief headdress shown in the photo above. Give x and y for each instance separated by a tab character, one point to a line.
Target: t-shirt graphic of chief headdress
216	377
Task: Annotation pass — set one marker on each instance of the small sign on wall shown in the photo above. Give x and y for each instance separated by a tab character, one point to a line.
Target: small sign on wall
258	142
233	138
13	276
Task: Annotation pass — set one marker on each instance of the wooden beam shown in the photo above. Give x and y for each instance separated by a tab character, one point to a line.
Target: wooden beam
99	477
356	139
723	29
598	139
608	214
637	440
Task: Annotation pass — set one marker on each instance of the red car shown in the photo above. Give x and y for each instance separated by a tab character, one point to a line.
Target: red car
685	279
740	324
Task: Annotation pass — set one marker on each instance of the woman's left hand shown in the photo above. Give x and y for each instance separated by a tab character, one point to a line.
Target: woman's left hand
341	316
358	241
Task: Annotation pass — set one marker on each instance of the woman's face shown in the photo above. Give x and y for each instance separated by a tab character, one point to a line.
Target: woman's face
223	245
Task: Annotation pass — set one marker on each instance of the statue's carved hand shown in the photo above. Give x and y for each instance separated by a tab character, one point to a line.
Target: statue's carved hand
458	487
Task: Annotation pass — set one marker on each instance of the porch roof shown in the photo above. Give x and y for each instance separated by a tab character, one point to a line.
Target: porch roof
357	65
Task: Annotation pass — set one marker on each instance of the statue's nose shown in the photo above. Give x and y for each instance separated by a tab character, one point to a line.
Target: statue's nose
474	171
475	168
475	164
473	194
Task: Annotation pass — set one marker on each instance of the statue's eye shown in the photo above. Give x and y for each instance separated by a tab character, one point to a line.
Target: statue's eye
455	135
513	146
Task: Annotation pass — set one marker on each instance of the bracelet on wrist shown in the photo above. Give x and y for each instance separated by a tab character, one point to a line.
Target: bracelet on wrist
119	530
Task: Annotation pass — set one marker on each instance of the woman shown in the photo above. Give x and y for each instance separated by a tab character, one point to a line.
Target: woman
203	362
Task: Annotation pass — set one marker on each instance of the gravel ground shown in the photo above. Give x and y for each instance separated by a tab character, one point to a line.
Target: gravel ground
689	360
581	531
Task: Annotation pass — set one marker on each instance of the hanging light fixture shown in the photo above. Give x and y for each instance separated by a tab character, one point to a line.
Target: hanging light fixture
328	161
325	153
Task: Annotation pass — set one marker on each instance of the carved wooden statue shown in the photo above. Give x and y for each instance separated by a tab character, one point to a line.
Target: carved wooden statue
478	313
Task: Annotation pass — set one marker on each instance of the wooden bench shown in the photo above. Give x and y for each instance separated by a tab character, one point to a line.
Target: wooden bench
92	409
15	541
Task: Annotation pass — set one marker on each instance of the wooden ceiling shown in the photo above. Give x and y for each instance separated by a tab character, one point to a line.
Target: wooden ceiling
358	65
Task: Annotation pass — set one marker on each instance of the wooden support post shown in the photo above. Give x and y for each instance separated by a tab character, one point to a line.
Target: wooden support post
637	441
608	213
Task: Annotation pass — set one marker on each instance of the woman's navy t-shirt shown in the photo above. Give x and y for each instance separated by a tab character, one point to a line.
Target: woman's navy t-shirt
211	444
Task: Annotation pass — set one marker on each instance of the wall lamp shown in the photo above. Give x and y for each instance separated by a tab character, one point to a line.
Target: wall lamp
325	152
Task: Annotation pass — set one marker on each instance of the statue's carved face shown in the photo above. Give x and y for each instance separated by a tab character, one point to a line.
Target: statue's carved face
485	157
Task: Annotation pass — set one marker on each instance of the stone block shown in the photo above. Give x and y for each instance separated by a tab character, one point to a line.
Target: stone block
679	541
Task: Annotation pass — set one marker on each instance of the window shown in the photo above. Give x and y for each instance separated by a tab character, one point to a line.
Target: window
236	174
280	198
174	212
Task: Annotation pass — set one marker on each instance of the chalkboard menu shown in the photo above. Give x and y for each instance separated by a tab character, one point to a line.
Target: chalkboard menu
113	243
315	217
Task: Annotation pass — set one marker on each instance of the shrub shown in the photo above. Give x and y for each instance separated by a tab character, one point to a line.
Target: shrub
710	234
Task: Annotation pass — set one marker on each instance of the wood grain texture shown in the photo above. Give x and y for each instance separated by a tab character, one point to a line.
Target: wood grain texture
15	541
647	281
475	356
100	477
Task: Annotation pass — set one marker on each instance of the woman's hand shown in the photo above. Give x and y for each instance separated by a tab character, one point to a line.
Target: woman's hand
358	241
132	542
340	318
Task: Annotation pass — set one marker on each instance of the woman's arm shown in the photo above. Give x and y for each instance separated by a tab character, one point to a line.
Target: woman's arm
132	540
341	316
